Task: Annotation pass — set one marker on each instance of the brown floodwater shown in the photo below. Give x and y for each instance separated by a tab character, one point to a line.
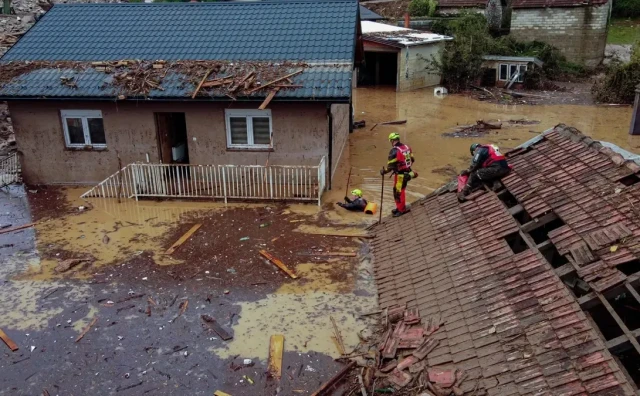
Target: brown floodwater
428	117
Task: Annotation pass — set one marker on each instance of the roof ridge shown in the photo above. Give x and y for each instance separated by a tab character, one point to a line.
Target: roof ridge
200	4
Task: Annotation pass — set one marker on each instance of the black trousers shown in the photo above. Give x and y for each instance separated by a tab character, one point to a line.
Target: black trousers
486	175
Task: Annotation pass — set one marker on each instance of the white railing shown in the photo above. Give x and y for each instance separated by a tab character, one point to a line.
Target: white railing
9	170
248	182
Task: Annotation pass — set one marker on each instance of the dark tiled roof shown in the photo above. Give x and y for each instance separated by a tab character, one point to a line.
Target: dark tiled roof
510	320
318	82
368	15
320	30
523	3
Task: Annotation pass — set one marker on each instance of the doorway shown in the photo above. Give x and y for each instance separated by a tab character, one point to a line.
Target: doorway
172	138
380	68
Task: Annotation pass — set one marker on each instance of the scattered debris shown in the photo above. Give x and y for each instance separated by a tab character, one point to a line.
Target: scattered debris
276	349
183	239
338	337
123	388
220	393
213	325
18	228
398	122
86	329
359	124
66	265
183	307
249	380
8	341
244	238
278	263
480	128
334	380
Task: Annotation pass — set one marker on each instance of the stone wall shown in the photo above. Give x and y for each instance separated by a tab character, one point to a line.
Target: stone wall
579	32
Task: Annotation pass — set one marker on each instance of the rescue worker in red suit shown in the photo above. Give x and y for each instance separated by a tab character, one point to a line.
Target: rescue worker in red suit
400	161
487	166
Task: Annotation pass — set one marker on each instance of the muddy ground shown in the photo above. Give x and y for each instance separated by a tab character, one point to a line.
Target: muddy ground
140	342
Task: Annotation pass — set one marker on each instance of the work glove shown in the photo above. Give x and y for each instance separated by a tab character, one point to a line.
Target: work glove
383	172
340	204
347	200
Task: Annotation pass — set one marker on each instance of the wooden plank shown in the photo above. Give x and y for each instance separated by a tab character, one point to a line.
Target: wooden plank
633	292
12	345
333	254
183	239
279	264
273	82
333	380
5	231
211	323
276	349
195	93
516	209
538	222
565	270
218	82
268	99
86	329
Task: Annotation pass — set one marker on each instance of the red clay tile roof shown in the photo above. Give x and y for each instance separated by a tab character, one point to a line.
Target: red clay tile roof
510	321
523	3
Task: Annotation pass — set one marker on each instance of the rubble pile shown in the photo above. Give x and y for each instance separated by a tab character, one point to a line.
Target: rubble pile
400	363
138	77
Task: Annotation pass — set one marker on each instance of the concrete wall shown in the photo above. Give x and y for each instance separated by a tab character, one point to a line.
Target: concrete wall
579	32
340	115
412	63
300	136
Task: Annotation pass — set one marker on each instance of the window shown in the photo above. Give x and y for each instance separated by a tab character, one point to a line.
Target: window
83	128
507	71
248	128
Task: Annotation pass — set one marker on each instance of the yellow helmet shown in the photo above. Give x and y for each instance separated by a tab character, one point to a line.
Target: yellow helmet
357	193
394	136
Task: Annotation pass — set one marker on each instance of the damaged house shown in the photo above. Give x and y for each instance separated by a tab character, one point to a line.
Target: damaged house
226	100
538	282
399	57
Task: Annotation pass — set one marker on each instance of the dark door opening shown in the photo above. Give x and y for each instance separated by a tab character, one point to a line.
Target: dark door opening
172	138
380	68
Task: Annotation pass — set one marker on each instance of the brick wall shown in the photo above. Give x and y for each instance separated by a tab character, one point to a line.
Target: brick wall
579	32
412	67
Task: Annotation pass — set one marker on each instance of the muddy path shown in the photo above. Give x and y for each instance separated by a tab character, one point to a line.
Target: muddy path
148	336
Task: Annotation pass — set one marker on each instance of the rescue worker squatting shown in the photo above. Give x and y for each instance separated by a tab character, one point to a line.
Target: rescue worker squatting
399	162
357	204
487	166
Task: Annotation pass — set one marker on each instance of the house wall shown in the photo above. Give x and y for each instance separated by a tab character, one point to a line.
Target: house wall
340	115
412	67
579	32
635	116
300	136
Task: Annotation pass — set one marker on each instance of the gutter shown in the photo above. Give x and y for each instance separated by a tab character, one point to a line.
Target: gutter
169	99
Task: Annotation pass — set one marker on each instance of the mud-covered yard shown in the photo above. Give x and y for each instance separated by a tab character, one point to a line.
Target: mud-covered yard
144	307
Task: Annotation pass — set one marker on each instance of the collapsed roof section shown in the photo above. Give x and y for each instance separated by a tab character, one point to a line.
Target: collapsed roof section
396	36
537	282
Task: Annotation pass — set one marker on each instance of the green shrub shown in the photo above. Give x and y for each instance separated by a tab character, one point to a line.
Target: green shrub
423	8
619	84
626	8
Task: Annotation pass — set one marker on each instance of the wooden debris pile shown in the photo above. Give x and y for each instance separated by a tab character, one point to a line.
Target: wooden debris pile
137	78
480	128
399	362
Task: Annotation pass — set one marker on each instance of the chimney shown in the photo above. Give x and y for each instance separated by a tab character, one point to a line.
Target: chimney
407	20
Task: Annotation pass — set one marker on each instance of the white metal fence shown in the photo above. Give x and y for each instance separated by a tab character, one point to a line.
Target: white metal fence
249	182
9	170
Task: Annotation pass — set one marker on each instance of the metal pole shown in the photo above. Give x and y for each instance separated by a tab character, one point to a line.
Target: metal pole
348	181
381	199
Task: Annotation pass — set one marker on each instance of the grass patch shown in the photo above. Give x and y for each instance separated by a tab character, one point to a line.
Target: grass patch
624	31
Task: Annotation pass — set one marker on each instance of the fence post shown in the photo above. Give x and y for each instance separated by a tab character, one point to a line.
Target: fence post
134	171
224	183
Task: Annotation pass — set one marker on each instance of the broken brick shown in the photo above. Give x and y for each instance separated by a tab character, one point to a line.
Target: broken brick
399	379
444	378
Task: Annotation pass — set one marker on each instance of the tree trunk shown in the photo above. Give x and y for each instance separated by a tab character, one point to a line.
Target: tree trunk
6	7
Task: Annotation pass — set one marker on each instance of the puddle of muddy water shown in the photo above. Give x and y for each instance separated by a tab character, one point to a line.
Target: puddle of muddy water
301	311
428	117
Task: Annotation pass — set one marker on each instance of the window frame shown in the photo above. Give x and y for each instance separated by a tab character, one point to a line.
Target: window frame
500	72
84	115
248	114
